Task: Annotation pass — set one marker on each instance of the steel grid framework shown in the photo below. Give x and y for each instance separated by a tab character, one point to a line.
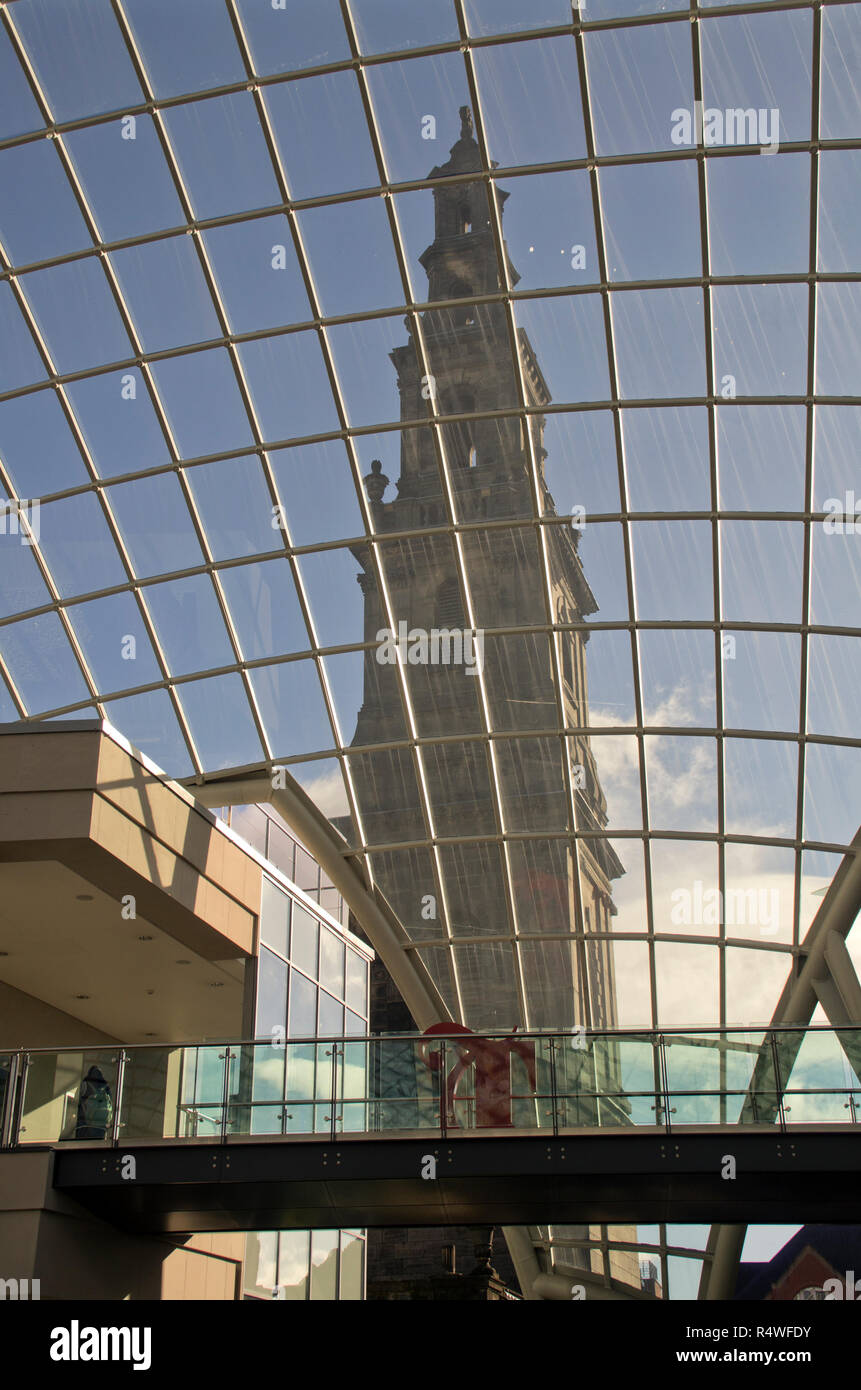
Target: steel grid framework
454	528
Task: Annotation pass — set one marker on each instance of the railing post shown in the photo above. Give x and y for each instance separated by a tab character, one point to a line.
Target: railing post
553	1087
775	1062
443	1095
225	1091
121	1072
334	1116
665	1093
6	1119
16	1114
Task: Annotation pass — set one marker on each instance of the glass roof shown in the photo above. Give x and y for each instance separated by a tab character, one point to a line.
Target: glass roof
330	325
319	318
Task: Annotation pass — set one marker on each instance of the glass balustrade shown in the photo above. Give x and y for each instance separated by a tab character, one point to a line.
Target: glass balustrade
446	1086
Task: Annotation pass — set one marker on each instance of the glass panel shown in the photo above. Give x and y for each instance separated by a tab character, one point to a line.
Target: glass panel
759	216
659	341
324	1264
761	680
157	1100
149	722
303	34
819	1071
510	72
222	155
23	586
761	779
760	339
77	315
681	775
761	456
403	95
837	338
265	608
290	701
331	1017
677	676
125	177
69	1095
304	475
235	507
335	153
115	642
365	227
261	1256
760	888
31	179
331	962
834	682
41	663
687	983
550	230
352	1285
219	717
304	948
637	78
761	571
182	311
357	982
202	403
673	569
156	526
288	384
369	386
80	57
759	62
569	339
185	50
651	221
271	995
250	823
294	1267
38	447
189	624
119	423
20	362
841	94
685	896
257	274
667	459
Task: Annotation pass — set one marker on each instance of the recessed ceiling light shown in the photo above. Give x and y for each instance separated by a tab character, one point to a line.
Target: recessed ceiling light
150	1035
82	996
4	953
144	938
183	962
85	897
216	984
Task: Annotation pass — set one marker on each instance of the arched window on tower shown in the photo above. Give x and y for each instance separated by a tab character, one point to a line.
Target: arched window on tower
464	219
473	456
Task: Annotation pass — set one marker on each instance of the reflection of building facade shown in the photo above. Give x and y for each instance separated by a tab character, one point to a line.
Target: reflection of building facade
560	891
488	462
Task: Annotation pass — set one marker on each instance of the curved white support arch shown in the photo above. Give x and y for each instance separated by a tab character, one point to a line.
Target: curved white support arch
827	977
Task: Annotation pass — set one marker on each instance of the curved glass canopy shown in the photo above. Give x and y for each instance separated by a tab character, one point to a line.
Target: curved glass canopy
456	403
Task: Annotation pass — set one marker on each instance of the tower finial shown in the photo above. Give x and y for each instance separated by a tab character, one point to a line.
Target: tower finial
466	129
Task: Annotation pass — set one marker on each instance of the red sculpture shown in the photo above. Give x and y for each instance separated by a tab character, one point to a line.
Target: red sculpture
491	1058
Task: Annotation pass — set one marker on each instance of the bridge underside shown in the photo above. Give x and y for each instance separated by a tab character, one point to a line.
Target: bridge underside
806	1176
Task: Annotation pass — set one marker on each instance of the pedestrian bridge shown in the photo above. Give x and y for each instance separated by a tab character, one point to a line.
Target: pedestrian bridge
448	1127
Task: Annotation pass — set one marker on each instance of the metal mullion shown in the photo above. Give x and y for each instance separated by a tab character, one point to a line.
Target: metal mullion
708	328
14	693
807	568
598	215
